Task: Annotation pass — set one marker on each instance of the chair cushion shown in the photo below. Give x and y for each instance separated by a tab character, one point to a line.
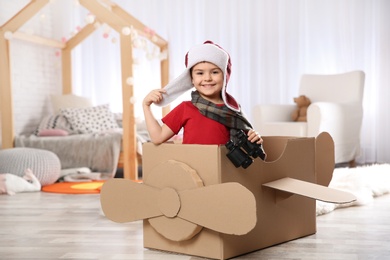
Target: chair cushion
296	129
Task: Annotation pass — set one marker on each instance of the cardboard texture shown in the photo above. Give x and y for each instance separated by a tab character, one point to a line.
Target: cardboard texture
195	201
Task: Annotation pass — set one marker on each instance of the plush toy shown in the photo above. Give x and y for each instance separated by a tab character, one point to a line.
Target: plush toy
11	184
299	114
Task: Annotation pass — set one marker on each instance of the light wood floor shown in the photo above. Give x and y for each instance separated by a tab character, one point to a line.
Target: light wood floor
43	225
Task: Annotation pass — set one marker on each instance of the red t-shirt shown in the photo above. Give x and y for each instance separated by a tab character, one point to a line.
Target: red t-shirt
198	129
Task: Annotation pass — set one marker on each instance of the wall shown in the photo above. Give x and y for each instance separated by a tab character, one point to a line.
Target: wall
35	69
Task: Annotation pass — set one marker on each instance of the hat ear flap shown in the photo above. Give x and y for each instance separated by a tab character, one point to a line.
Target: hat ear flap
186	60
228	70
230	102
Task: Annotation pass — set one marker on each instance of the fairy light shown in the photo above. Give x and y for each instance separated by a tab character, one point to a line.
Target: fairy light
90	18
126	30
133	100
8	35
130	81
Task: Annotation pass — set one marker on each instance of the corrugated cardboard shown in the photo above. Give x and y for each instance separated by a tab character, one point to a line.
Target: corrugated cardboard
268	203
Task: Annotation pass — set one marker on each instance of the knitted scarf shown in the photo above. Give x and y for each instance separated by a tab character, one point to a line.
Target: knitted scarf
222	114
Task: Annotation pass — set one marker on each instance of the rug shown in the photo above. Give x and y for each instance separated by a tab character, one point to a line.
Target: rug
74	187
365	182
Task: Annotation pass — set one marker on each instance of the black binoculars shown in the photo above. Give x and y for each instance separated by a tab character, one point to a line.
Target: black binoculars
243	151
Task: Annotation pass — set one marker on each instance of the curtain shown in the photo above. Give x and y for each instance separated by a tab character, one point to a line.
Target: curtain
271	44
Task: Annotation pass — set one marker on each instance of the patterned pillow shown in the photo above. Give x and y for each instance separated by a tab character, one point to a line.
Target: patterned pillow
90	119
54	122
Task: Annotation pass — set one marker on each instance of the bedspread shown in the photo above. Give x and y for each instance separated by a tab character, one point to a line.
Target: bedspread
99	152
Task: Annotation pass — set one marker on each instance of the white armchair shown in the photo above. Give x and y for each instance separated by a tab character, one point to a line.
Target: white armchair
336	107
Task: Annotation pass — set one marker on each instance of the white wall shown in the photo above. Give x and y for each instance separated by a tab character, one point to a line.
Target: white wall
35	69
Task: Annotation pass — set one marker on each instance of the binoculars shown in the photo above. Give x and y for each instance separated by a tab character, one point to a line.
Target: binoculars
243	151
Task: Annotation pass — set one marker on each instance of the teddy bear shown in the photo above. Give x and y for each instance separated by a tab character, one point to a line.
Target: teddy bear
299	114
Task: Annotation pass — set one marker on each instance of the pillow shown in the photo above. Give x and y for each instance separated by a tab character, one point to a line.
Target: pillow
91	119
54	122
118	119
52	132
69	100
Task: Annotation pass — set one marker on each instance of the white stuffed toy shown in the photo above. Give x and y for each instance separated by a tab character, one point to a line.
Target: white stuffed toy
11	183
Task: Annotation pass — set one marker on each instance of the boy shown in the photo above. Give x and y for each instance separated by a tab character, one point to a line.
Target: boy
212	116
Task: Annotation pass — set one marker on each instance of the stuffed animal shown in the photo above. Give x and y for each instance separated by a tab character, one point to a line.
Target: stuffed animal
11	183
299	114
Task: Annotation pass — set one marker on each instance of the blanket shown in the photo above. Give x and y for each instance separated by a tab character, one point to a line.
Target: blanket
99	152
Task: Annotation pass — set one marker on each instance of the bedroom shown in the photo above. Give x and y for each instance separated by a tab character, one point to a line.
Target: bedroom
281	41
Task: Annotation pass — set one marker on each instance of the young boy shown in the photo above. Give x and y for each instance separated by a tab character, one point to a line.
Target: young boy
212	116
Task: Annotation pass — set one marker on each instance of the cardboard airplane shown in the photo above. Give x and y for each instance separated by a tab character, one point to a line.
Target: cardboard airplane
194	201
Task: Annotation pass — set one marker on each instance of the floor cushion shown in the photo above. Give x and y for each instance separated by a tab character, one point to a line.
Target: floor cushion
45	165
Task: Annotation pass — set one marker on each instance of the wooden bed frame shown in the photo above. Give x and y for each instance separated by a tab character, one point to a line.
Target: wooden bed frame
115	17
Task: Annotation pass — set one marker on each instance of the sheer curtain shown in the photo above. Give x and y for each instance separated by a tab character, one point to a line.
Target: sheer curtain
271	44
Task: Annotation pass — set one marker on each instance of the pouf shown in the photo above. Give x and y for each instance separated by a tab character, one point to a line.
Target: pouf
45	165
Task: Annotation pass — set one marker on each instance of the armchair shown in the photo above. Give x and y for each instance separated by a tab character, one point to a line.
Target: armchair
336	107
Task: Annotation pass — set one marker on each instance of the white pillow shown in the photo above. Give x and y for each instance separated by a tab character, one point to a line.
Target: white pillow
91	119
68	101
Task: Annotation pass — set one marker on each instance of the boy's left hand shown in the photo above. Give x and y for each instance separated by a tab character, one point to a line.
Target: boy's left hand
254	137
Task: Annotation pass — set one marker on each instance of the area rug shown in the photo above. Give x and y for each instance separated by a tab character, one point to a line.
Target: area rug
74	187
365	182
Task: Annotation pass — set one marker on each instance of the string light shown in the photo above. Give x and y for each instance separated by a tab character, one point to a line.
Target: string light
137	41
163	55
130	81
126	30
90	18
8	35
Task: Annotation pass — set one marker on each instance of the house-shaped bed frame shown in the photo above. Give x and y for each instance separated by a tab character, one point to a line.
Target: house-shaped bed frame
116	18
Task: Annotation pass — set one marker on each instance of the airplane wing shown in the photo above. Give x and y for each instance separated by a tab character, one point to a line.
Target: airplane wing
311	190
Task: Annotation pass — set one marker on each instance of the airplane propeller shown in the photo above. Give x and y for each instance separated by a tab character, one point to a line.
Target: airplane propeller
218	207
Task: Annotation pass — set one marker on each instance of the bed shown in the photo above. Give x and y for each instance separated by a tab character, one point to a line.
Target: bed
118	19
83	135
97	152
100	153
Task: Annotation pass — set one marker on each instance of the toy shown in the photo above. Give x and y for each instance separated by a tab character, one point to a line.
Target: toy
11	184
219	211
299	114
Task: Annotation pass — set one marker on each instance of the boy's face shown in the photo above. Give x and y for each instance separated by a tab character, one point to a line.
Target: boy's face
208	81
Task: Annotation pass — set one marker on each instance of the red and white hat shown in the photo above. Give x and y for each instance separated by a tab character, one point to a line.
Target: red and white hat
210	52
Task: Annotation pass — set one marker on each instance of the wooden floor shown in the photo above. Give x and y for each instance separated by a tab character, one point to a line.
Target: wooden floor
43	225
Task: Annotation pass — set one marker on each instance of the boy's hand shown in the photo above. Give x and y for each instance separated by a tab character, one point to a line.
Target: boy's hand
154	96
254	136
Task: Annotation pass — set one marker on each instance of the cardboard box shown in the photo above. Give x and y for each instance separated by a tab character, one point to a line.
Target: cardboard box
218	211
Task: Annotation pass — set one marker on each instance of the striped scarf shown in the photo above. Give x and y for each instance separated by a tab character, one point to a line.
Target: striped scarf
233	120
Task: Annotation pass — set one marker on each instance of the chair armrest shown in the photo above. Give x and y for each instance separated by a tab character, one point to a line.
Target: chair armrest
340	120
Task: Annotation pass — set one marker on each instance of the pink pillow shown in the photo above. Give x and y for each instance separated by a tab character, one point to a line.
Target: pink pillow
52	132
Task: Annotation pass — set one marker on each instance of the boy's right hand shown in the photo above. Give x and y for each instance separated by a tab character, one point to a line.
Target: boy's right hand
154	96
